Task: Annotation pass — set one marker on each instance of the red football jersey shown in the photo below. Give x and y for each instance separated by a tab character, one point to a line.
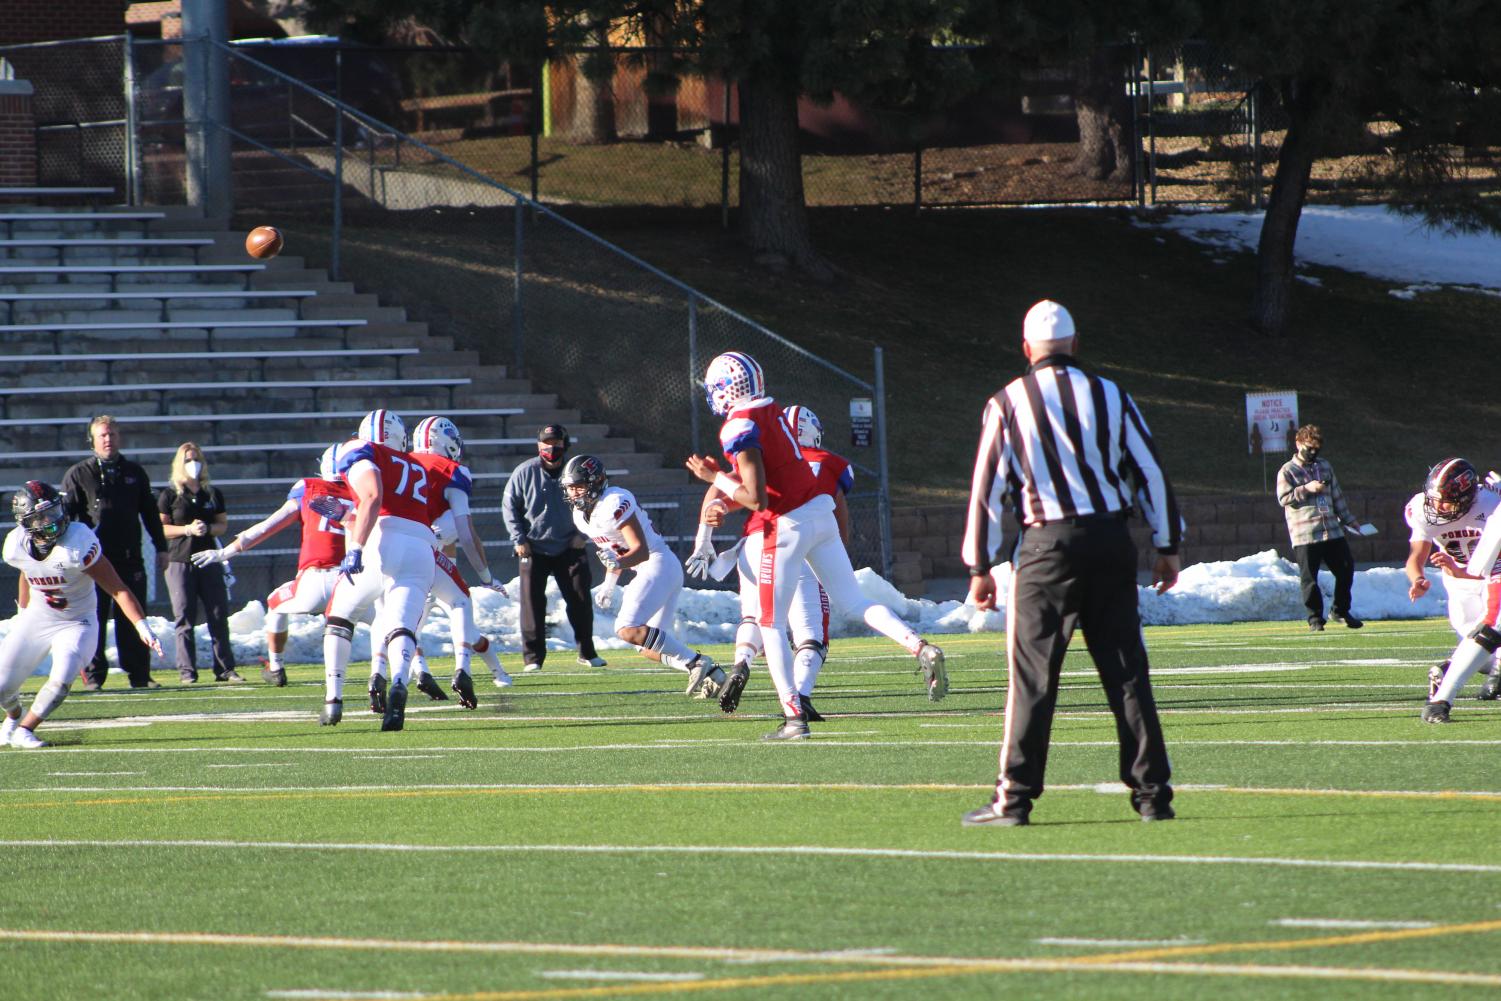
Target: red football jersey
832	471
442	473
789	481
407	485
322	540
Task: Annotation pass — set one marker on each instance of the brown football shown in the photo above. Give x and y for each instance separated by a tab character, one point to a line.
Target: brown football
263	242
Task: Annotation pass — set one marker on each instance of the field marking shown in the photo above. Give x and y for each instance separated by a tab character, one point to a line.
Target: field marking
1118	943
90	775
313	993
400	757
245	764
1341	923
898	967
659	978
809	851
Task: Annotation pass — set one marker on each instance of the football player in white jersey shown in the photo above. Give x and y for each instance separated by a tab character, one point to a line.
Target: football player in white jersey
60	563
1447	521
626	539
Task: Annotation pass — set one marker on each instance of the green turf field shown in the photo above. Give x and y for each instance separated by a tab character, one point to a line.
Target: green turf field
593	833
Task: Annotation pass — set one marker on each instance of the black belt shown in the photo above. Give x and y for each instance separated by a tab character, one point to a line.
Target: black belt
1083	520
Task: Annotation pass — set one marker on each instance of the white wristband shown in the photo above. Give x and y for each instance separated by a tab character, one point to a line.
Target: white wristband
705	536
485	576
726	484
351	548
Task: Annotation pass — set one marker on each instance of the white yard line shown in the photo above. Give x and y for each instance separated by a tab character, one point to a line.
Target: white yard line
248	764
1348	925
1119	943
807	851
89	775
399	757
618	975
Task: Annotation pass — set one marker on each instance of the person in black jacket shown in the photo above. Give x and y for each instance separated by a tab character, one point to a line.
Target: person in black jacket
193	516
112	495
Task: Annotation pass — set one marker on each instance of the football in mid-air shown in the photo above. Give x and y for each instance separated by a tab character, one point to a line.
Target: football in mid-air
263	242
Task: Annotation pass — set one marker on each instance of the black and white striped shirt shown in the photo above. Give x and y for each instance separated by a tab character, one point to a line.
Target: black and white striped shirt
1060	443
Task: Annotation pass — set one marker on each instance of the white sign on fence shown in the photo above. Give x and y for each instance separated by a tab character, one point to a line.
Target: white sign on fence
1271	421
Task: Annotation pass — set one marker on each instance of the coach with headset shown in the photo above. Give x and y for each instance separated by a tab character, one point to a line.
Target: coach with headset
112	495
537	515
1069	453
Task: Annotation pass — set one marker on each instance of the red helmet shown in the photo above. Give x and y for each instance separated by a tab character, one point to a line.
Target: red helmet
1449	491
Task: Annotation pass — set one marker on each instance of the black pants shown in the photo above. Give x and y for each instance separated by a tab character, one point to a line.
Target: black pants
135	656
1334	554
1078	574
193	588
572	570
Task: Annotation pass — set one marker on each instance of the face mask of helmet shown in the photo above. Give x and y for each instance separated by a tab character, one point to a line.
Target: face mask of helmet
583	481
44	525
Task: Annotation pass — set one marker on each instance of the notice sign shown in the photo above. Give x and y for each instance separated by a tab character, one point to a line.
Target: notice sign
1271	421
862	421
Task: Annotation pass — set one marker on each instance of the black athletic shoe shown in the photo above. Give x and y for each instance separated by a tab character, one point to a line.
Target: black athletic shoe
809	713
1315	625
1154	813
792	728
378	693
428	685
1345	619
333	711
396	708
274	676
463	687
1490	690
991	815
1436	712
729	695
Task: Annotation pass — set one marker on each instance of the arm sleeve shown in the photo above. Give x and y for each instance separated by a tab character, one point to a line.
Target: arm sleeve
847	480
458	501
77	494
279	519
982	522
1160	507
1289	494
164	502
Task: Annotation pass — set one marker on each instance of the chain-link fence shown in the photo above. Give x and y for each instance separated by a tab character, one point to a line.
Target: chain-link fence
79	103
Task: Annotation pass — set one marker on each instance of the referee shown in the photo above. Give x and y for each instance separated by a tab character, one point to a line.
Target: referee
1069	453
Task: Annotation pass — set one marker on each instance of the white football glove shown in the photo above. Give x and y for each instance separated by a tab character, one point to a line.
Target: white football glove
209	557
606	596
724	564
703	553
608	559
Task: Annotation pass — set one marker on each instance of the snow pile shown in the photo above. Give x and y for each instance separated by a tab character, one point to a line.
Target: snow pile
1254	588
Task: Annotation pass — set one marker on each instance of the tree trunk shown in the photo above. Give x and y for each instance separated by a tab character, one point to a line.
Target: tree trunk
593	119
1271	304
1102	111
773	216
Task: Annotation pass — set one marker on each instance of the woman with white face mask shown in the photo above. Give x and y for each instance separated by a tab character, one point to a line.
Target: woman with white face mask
193	515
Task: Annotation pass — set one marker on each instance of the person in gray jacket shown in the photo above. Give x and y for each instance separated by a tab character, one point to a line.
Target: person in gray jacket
1317	520
541	525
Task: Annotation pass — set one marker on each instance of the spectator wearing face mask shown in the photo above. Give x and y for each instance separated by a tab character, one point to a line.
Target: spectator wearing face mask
112	495
192	514
1317	519
537	515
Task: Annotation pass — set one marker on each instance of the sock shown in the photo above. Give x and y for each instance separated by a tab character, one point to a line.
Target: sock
884	621
401	652
462	656
491	661
1468	656
273	658
419	662
378	664
806	663
779	666
335	662
669	649
747	641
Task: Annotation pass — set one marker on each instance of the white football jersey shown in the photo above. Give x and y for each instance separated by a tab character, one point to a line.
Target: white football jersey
59	587
614	508
1459	537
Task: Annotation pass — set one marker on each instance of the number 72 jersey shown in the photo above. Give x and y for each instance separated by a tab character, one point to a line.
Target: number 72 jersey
412	485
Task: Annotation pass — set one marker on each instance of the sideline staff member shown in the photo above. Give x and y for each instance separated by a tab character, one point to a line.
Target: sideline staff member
1069	452
112	495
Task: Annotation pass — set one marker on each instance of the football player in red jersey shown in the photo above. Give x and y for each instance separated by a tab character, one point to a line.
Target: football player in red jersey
318	556
791	522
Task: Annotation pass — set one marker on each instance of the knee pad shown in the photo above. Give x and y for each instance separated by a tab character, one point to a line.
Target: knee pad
49	697
396	634
480	645
814	646
339	628
1488	638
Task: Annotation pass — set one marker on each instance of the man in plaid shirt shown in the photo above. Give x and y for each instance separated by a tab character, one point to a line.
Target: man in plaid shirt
1317	518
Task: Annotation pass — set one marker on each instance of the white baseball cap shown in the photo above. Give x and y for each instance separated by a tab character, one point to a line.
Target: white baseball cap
1047	321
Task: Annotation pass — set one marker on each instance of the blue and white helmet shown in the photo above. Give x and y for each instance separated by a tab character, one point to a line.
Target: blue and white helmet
384	428
326	464
438	436
731	379
805	425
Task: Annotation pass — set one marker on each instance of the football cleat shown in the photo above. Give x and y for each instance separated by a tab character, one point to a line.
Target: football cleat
428	685
333	711
734	684
274	676
702	670
792	728
502	679
8	726
595	661
809	713
396	709
463	687
1345	619
378	693
934	675
711	687
1436	678
1490	689
24	740
1436	712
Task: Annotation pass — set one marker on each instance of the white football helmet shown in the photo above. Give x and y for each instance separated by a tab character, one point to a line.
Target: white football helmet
806	425
326	464
731	379
438	436
384	428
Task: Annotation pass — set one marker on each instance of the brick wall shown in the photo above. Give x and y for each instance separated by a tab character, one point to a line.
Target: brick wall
44	20
17	135
926	540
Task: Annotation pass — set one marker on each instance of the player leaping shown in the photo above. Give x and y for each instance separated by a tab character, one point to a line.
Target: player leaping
771	475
